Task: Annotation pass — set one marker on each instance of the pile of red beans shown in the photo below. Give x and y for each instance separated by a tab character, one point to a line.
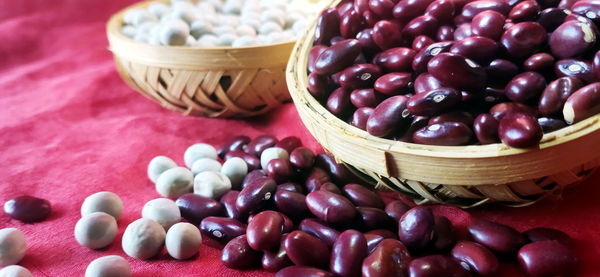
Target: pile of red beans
307	217
458	72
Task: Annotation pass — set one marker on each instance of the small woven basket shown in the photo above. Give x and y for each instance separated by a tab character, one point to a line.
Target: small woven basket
466	176
212	82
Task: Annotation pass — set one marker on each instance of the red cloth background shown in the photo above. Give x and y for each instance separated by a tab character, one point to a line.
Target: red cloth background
70	127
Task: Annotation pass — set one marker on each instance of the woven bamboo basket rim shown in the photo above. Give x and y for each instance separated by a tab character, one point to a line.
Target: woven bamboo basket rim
472	165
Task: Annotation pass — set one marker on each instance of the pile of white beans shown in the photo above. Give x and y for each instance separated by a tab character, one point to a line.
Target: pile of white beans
211	23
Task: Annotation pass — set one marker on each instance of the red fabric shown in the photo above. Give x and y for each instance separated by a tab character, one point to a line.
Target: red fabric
70	127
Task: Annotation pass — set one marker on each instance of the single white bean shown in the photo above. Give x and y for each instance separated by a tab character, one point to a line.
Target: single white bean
199	151
174	32
226	39
183	241
12	246
109	266
245	30
223	29
207	41
15	271
211	184
232	7
244	41
299	27
205	164
291	18
96	230
143	239
129	31
190	41
104	201
272	153
159	9
201	27
273	15
235	169
206	8
269	27
188	16
175	182
162	210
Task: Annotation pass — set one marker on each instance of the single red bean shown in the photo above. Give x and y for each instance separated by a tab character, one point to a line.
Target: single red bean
416	228
566	4
302	157
445	33
462	31
433	102
582	104
385	233
360	117
228	201
370	18
304	249
328	26
27	208
289	143
237	254
397	59
496	236
320	230
540	62
362	196
421	25
347	253
524	11
436	265
523	39
443	234
541	233
338	172
491	96
501	110
456	71
290	186
367	97
343	8
547	258
360	76
589	9
485	128
314	52
291	203
222	229
476	258
443	10
579	69
406	10
316	178
374	218
367	44
596	65
337	57
389	116
471	9
551	124
447	133
194	207
525	86
338	102
361	6
456	116
351	23
264	231
330	207
373	241
276	260
426	82
280	170
253	175
421	42
556	94
419	63
572	38
382	8
255	195
331	187
417	123
259	144
479	49
391	258
232	144
501	71
488	24
396	209
288	224
520	130
251	160
302	271
336	39
387	34
551	18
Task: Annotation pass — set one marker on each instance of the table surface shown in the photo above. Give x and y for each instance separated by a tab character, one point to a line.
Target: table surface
70	127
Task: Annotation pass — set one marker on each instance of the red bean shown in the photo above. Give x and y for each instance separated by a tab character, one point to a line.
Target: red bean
351	23
255	195
289	143
234	143
426	82
556	94
596	65
540	62
385	233
525	86
496	236
291	203
315	51
328	26
373	241
443	234
382	8
485	128
444	33
302	271
579	69
389	116
337	57
367	44
436	265
397	59
524	11
343	8
462	31
362	196
520	130
572	38
582	104
290	186
264	231
471	9
367	97
416	228
279	170
360	117
228	201
551	124
501	71
476	258
338	102
360	76
373	218
330	207
541	233
406	10
456	71
304	249
27	208
421	25
547	258
316	178
370	18
288	224
523	39
443	10
463	117
387	34
319	86
551	18
421	42
433	102
302	158
419	63
194	207
222	229
488	24
331	187
347	254
337	171
589	9
251	160
253	175
390	258
259	144
479	49
501	110
447	133
320	230
396	209
237	254
276	260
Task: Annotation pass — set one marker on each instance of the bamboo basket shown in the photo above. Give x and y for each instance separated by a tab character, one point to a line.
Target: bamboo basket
211	82
466	176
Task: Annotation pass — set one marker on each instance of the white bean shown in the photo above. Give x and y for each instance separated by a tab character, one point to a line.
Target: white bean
138	16
15	271
109	266
188	16
232	7
235	169
254	23
159	9
198	151
183	241
218	4
207	41
12	246
206	8
228	20
223	29
190	41
205	164
211	184
226	39
174	32
128	30
175	182
104	201
273	15
143	239
245	30
269	27
96	230
299	27
291	18
272	153
162	210
201	27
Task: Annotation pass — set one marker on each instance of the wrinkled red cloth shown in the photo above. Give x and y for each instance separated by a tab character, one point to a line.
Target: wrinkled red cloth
69	127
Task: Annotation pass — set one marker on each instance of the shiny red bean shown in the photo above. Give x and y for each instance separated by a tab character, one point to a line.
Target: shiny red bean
382	8
436	265
373	241
228	201
316	178
370	18
328	26
291	203
302	271
520	130
443	10
387	34
289	143
447	133
385	233
406	10
524	11
302	158
496	236
523	39
338	172
347	253
350	24
596	65
421	25
330	207
390	258
253	175
362	196
580	69
476	258
396	59
485	128
259	144
540	62
417	123
443	234
27	208
426	82
338	102
582	104
360	117
525	87
343	8
232	144
337	57
320	230
433	102
456	71
471	9
279	170
479	49
456	116
566	4
551	18
589	9
276	260
416	228
541	233
304	249
373	218
237	254
389	116
360	76
462	31
501	71
367	44
331	187
265	230
255	195
556	94
444	33
396	209
549	124
547	258
421	42
419	63
367	97
222	229
251	160
488	24
501	110
572	38
290	186
314	52
194	207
